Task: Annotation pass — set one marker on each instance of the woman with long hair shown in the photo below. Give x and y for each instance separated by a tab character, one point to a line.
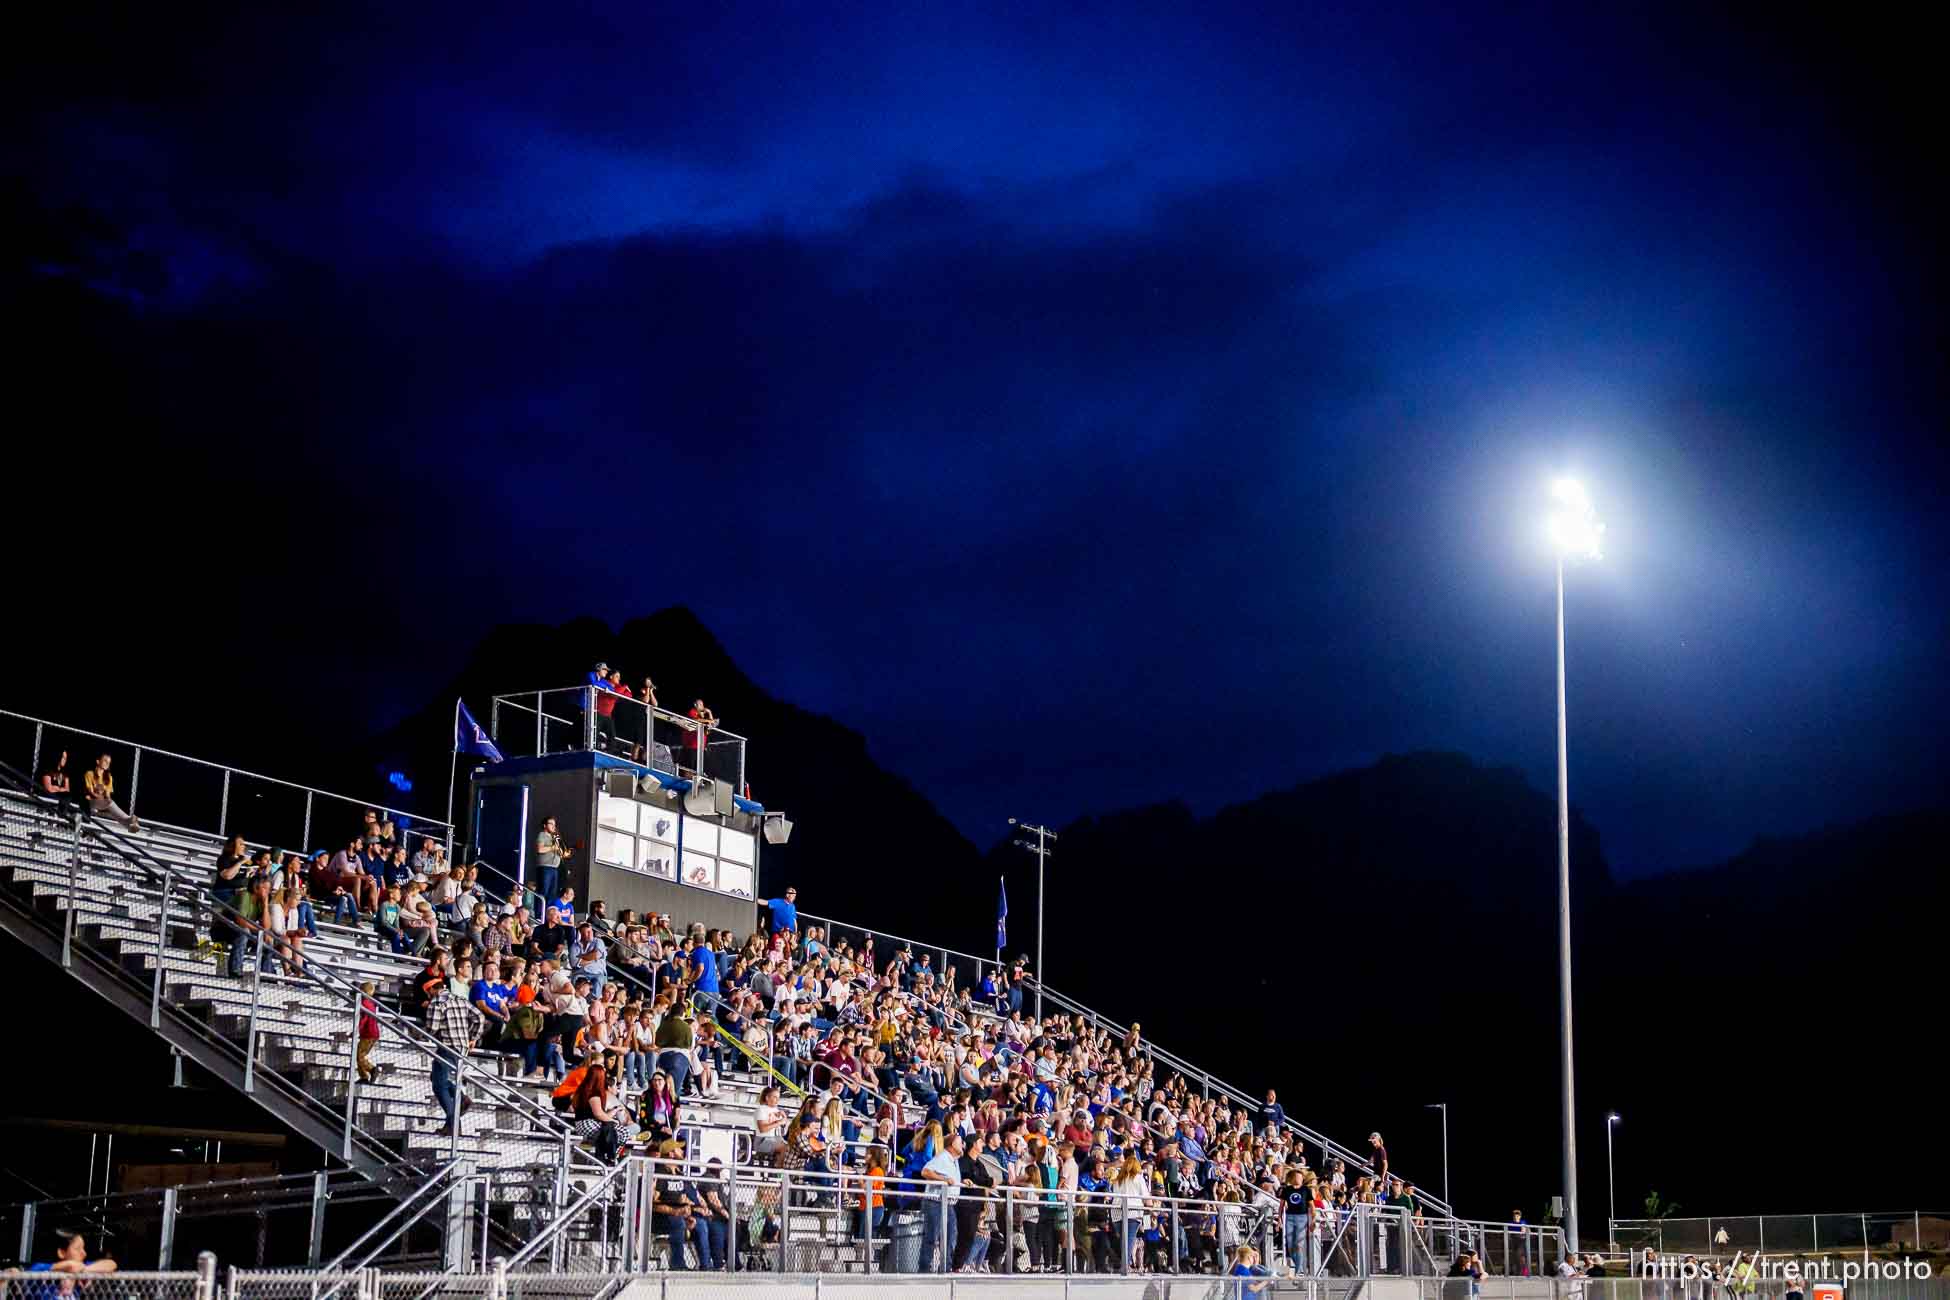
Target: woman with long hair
593	1116
660	1112
1130	1185
53	782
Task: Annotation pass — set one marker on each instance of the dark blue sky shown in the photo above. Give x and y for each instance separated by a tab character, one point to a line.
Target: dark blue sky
1092	404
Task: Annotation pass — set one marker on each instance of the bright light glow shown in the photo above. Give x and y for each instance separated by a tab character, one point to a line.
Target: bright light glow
1573	528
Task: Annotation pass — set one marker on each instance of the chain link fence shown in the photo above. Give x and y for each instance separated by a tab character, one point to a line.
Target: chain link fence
31	1285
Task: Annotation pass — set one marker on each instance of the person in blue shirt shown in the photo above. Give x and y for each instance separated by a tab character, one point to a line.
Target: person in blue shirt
490	998
704	964
1245	1264
785	912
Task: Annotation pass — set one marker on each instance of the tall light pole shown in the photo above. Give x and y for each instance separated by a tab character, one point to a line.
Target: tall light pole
1575	534
1443	1106
1041	849
1611	1189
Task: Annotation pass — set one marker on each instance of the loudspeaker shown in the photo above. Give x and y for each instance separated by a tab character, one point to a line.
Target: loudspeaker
722	799
656	789
777	830
620	784
699	801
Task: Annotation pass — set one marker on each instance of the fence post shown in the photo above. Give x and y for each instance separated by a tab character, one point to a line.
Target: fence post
539	740
162	945
223	807
206	1276
498	1279
315	1250
460	1103
785	1217
74	873
135	779
168	1232
304	838
1124	1235
1009	1231
26	1232
352	1079
250	1027
229	1277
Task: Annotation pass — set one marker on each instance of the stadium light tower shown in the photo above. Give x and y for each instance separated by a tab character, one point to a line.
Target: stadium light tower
1575	534
1041	849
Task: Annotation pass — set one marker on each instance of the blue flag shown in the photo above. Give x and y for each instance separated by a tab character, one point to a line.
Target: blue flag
469	738
1001	914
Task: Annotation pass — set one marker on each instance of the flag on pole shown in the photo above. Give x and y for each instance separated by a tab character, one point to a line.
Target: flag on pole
1001	913
469	738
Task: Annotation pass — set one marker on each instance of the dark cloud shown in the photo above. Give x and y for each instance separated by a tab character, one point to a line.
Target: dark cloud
1091	407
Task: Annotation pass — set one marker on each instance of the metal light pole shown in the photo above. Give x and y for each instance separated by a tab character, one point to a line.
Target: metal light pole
1443	1106
1611	1189
1041	849
1574	530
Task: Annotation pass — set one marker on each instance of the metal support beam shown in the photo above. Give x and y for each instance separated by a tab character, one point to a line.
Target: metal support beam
319	1196
168	1244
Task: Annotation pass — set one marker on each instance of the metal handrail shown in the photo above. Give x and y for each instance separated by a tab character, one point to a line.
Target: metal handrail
437	1183
221	767
342	989
544	1239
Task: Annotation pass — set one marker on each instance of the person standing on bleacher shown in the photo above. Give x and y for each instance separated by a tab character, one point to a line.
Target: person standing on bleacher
455	1026
550	852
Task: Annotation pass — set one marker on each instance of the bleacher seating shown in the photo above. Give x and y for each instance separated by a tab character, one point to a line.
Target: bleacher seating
106	889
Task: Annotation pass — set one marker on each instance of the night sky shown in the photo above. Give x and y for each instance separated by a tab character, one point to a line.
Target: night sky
1091	404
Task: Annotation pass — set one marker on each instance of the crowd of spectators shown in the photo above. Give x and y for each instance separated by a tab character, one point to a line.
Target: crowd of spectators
1053	1144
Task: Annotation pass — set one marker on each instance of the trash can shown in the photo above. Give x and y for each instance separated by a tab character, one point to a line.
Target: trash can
904	1242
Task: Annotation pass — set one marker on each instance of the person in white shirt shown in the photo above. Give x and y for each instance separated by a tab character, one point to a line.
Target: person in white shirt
769	1122
942	1178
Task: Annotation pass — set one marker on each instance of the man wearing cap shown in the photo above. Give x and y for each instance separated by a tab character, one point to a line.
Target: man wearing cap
602	699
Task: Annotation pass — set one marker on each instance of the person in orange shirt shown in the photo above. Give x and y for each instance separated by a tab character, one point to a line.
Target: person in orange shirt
873	1206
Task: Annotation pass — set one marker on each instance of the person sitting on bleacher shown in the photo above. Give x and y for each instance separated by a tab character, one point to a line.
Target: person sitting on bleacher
565	904
99	788
677	1212
588	957
490	997
429	860
595	1114
387	922
52	783
552	938
372	861
324	882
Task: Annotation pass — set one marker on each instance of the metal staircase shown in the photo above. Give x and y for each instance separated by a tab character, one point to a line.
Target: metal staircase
125	915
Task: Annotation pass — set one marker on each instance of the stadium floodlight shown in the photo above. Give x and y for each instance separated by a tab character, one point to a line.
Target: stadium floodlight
1575	534
1573	526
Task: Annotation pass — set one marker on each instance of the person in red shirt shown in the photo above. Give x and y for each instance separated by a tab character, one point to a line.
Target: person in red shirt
703	720
368	1033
